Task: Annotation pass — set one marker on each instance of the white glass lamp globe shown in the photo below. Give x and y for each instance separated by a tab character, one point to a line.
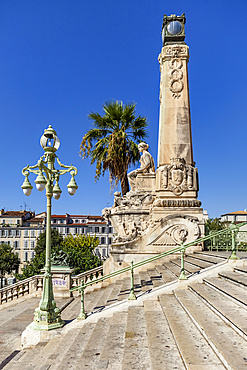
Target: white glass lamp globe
27	191
174	28
71	191
56	195
40	186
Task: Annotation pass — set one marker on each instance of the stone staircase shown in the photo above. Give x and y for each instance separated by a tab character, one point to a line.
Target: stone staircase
200	323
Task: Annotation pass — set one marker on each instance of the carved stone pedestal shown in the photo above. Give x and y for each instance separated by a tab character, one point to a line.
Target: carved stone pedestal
61	281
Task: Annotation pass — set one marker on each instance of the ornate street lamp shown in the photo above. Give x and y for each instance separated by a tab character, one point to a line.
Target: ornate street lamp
47	316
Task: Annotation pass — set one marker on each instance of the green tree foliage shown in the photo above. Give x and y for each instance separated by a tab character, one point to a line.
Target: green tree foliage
214	224
79	249
211	225
9	261
112	144
34	267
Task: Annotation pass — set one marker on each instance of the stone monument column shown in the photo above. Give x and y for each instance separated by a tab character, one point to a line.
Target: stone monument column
176	172
162	210
174	124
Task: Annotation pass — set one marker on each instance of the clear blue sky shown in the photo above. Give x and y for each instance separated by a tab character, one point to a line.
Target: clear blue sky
62	59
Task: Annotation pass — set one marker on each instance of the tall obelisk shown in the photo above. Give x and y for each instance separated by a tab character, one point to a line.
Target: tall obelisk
176	173
163	210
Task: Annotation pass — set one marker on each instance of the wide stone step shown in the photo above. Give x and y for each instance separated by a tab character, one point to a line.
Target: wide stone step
174	269
242	269
227	344
112	354
188	267
46	355
235	277
90	356
72	345
72	310
101	302
113	297
237	293
145	280
136	354
167	275
221	254
125	289
203	257
199	263
162	348
155	277
25	359
193	347
234	313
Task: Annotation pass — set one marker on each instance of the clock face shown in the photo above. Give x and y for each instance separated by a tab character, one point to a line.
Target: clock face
174	28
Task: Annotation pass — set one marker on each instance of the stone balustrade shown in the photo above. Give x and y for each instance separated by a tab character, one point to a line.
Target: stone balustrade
35	284
21	288
86	276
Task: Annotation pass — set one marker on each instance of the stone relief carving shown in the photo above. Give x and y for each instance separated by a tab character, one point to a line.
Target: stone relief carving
177	203
176	51
174	54
176	84
178	177
129	215
178	230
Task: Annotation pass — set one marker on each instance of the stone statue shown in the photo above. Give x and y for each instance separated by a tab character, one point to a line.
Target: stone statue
60	259
147	165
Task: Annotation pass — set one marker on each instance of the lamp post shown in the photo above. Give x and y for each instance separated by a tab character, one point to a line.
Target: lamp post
47	316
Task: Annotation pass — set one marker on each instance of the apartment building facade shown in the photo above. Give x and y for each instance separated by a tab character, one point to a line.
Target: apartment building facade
20	229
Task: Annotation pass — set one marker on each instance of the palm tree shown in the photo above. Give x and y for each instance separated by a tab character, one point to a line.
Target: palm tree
113	143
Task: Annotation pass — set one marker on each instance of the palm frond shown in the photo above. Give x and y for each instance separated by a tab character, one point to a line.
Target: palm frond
112	143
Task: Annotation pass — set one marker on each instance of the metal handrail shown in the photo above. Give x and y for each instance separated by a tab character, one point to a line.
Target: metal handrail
233	228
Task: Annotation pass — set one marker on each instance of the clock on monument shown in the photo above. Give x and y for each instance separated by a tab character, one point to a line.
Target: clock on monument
173	29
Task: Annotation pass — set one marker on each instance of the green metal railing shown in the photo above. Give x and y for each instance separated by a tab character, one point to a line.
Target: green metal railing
224	242
233	229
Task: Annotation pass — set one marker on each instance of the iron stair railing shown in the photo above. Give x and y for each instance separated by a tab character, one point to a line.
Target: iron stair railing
233	228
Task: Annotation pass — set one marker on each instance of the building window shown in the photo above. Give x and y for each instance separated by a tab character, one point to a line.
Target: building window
97	229
109	241
67	230
103	252
25	256
54	221
17	233
90	229
32	255
32	244
16	244
32	232
103	229
6	233
25	232
25	244
102	240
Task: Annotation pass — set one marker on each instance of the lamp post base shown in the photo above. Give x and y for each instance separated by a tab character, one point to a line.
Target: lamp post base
47	316
47	320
